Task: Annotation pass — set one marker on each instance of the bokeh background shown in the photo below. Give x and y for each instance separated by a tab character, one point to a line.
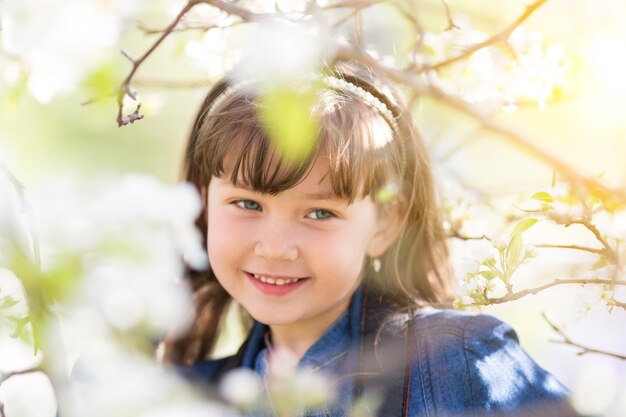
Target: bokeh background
583	123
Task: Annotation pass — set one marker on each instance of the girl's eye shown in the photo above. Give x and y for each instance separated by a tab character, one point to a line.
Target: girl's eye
248	204
320	214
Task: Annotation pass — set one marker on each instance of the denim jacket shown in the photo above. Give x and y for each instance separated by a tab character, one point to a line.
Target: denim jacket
459	365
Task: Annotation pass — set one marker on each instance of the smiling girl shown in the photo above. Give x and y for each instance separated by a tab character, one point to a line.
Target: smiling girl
331	271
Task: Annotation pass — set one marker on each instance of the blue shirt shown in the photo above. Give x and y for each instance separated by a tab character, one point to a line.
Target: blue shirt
461	364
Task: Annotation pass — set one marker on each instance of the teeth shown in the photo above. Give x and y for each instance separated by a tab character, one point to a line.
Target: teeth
272	281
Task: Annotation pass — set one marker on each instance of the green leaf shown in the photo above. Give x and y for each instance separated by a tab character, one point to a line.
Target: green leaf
514	250
386	193
103	80
289	122
489	262
543	196
7	302
523	225
488	274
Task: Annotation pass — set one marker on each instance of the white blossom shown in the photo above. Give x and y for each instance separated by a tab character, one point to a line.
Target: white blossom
132	235
241	387
311	389
277	51
492	74
118	382
466	266
495	288
481	250
58	42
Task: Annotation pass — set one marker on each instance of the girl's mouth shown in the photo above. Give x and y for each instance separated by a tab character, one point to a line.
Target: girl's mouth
275	285
279	281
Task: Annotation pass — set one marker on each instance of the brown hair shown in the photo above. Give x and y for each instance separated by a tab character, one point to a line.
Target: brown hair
415	268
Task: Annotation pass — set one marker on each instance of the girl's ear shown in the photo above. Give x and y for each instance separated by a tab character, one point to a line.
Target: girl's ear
390	220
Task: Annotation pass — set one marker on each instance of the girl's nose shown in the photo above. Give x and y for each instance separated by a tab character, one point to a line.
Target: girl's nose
275	244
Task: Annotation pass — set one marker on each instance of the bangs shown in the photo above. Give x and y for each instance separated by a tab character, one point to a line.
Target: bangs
354	138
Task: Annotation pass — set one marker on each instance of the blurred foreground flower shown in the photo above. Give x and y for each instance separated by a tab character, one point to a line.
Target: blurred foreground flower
284	389
123	242
106	289
525	68
57	55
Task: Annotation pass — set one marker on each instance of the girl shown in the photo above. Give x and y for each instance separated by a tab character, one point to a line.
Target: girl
341	260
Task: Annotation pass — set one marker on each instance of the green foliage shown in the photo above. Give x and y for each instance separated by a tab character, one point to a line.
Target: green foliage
102	81
514	250
386	193
290	125
523	225
7	302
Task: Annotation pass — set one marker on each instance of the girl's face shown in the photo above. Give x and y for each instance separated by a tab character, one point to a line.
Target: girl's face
308	245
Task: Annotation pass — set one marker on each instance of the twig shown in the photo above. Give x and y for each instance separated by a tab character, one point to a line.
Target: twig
411	16
613	302
533	291
125	89
451	24
4	376
455	233
144	82
609	251
348	4
498	37
149	31
576	247
232	8
353	13
583	349
185	28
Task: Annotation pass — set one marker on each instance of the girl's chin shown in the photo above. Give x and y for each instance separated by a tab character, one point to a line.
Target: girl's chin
273	316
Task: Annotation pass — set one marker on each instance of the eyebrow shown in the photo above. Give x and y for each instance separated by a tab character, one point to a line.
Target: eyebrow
320	195
328	195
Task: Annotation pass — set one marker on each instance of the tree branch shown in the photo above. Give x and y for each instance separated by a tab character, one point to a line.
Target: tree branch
524	143
150	31
533	291
511	135
613	302
576	247
499	37
608	250
456	234
4	376
146	82
232	8
583	349
125	89
451	24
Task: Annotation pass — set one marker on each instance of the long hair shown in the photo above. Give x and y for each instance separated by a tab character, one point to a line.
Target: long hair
415	268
